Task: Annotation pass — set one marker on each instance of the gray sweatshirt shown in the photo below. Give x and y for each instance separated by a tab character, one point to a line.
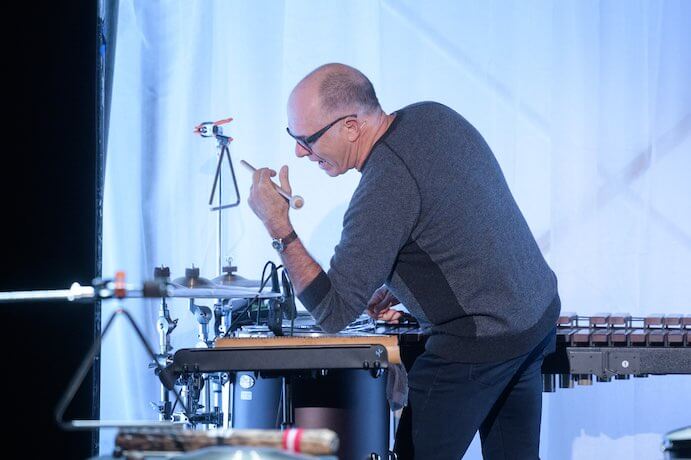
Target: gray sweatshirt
433	219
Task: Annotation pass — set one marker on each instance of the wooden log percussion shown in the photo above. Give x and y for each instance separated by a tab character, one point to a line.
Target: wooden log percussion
131	442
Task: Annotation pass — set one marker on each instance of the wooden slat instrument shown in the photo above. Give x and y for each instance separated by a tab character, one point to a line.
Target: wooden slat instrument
289	353
389	342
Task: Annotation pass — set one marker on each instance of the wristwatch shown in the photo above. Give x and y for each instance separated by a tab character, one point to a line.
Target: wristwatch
280	244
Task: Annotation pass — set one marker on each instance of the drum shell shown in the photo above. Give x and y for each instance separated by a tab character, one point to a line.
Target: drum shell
350	402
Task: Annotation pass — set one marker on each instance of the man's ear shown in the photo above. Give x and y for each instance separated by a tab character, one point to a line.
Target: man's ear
353	128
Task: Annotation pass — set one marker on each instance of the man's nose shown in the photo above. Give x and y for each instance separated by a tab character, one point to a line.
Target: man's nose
301	151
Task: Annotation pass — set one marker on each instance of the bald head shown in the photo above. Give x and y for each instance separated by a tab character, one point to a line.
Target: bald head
335	118
339	89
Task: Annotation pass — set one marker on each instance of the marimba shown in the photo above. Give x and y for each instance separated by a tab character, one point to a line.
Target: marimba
617	345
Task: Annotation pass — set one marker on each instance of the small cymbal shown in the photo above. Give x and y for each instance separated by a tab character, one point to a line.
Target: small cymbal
236	280
229	278
193	280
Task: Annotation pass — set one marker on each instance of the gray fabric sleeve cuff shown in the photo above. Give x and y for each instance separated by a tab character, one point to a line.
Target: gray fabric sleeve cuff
315	292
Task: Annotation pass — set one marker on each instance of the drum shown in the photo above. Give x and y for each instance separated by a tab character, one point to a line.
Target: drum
351	402
256	401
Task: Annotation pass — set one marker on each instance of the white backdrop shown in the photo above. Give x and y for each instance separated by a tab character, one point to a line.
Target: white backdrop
587	106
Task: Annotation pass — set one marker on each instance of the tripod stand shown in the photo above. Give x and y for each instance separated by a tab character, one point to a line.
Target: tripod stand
214	129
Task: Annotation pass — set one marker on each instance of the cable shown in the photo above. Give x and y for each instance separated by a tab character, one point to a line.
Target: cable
235	323
290	298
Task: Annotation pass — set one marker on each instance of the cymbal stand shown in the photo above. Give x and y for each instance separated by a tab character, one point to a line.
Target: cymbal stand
287	409
165	326
203	315
222	317
218	382
223	143
210	415
222	309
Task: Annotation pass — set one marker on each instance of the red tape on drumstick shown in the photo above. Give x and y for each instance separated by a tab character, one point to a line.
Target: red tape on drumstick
298	438
291	439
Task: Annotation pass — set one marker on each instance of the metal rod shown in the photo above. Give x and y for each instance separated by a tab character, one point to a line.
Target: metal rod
219	240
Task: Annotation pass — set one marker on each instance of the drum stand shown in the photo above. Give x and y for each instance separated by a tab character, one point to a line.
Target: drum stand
212	384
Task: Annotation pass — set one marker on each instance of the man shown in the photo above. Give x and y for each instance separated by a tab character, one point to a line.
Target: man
432	223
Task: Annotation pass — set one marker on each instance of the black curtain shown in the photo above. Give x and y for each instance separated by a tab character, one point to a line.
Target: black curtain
52	156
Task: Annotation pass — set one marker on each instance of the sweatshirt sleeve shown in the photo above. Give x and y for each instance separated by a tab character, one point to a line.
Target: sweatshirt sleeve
378	222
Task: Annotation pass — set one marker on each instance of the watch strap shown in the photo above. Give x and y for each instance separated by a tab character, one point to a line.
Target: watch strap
289	238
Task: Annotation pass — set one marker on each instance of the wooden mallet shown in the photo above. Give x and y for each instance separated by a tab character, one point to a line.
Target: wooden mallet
295	201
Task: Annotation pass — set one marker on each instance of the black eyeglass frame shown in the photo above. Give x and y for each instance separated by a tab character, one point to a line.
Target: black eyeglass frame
305	141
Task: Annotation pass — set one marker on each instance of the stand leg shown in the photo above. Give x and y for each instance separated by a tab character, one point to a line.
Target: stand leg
287	402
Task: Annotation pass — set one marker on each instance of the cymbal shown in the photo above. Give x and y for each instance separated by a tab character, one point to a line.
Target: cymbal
229	278
236	280
219	292
192	279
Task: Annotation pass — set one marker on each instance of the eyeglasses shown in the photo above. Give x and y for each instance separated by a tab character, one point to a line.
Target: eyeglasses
305	141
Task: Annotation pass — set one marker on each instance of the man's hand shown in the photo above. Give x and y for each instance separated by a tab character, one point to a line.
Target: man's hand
379	306
268	204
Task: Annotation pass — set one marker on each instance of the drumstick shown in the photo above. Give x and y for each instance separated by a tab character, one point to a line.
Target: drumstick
295	201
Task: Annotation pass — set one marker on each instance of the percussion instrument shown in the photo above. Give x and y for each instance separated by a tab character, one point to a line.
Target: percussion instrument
131	441
617	345
600	348
288	353
319	380
229	278
192	279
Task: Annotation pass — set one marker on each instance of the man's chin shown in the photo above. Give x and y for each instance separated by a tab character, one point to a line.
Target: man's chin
333	172
330	171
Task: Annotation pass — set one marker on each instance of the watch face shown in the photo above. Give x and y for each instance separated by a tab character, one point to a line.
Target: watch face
277	245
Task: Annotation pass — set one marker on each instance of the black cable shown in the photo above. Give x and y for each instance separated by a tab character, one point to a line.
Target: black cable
236	323
273	275
261	288
290	298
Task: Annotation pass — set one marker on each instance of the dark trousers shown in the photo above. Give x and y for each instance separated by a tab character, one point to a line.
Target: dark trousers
449	402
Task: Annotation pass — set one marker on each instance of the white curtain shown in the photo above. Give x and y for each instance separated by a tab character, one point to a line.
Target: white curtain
586	104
